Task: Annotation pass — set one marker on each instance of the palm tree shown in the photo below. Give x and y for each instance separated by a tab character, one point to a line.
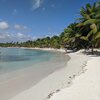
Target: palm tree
55	42
91	21
71	36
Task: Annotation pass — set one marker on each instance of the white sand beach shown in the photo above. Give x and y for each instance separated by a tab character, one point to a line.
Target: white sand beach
86	86
56	81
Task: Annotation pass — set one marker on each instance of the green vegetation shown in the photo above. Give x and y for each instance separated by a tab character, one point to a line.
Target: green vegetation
83	34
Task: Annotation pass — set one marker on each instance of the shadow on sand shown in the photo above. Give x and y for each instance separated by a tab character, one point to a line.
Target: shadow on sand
96	53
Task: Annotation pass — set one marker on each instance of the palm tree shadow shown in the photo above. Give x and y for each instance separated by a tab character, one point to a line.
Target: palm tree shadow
95	54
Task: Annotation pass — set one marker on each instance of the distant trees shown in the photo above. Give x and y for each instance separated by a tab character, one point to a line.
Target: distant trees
83	34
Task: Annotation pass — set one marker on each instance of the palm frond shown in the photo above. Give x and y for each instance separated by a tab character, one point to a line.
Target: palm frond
84	38
97	35
90	21
79	25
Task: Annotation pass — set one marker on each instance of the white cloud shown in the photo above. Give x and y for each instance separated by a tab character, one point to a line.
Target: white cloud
36	4
2	37
20	27
8	37
5	35
23	37
4	25
20	35
16	33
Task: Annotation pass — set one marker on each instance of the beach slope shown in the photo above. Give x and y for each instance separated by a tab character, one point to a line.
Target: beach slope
85	86
56	81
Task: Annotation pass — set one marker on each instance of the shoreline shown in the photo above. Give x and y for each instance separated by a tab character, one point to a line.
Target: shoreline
51	84
21	80
62	50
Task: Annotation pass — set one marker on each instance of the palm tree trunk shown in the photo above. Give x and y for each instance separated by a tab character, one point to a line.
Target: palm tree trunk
92	49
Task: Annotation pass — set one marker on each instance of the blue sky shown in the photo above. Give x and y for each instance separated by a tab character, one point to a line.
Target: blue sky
21	20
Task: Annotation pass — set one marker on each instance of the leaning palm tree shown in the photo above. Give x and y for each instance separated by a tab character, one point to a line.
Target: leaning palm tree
91	20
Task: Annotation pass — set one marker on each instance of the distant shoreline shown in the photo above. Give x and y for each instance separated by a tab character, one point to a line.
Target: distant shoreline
45	49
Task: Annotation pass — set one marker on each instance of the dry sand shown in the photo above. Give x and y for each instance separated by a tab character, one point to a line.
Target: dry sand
85	86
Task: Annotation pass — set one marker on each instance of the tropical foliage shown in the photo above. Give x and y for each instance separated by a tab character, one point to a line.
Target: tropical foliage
83	34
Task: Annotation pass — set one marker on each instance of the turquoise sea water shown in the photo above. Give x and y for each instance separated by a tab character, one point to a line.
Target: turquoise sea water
12	59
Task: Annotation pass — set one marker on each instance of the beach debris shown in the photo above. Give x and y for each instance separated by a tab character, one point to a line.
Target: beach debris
69	82
58	90
49	96
70	77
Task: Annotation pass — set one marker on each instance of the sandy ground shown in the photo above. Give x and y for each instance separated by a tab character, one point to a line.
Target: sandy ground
86	86
56	81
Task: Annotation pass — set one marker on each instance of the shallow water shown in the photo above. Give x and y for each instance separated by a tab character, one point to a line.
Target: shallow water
20	69
14	59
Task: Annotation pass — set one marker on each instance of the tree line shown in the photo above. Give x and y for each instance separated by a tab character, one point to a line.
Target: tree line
85	33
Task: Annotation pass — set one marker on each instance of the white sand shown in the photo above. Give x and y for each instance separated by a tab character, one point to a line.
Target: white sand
86	86
58	80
